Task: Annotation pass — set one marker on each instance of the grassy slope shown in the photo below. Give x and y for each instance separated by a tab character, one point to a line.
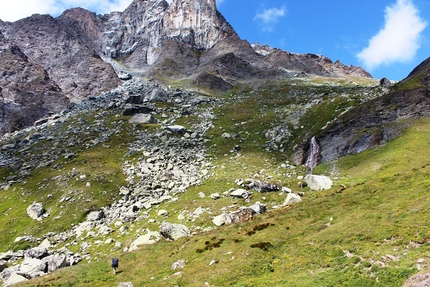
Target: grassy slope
382	210
339	237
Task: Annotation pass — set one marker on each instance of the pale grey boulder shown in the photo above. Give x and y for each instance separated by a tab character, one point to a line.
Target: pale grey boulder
292	198
174	231
150	237
13	279
318	182
36	210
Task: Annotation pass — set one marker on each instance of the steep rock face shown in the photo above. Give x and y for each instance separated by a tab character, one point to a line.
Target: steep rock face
27	93
135	35
140	34
197	23
71	63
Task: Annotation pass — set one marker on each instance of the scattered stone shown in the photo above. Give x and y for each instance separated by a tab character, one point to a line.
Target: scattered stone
199	210
244	214
158	95
241	193
215	196
258	208
262	186
124	190
36	252
142	119
418	280
176	129
95	215
178	264
163	212
125	76
125	284
56	261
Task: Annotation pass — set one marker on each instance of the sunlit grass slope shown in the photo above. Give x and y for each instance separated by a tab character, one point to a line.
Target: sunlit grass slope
370	229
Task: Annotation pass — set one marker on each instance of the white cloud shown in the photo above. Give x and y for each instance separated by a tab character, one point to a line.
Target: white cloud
269	17
18	9
399	40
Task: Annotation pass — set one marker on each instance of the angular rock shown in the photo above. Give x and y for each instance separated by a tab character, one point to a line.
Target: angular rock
56	261
95	215
292	198
158	95
125	284
261	186
32	267
219	219
14	279
242	215
241	193
318	182
3	265
36	210
150	237
36	252
174	231
176	129
258	208
178	264
142	119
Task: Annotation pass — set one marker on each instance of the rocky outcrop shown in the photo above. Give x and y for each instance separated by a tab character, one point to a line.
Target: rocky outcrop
71	63
372	123
38	261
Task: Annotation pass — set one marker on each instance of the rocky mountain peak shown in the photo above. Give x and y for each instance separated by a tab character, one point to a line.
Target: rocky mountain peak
197	23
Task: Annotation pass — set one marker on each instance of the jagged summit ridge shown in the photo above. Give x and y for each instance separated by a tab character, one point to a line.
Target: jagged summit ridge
140	32
151	38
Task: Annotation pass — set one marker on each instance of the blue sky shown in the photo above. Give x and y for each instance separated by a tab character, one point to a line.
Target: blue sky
386	37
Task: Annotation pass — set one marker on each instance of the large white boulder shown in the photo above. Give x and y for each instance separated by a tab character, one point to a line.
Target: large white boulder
150	237
36	210
318	182
174	231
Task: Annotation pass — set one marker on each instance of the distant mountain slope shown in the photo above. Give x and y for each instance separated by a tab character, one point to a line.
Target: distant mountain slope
379	120
27	93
